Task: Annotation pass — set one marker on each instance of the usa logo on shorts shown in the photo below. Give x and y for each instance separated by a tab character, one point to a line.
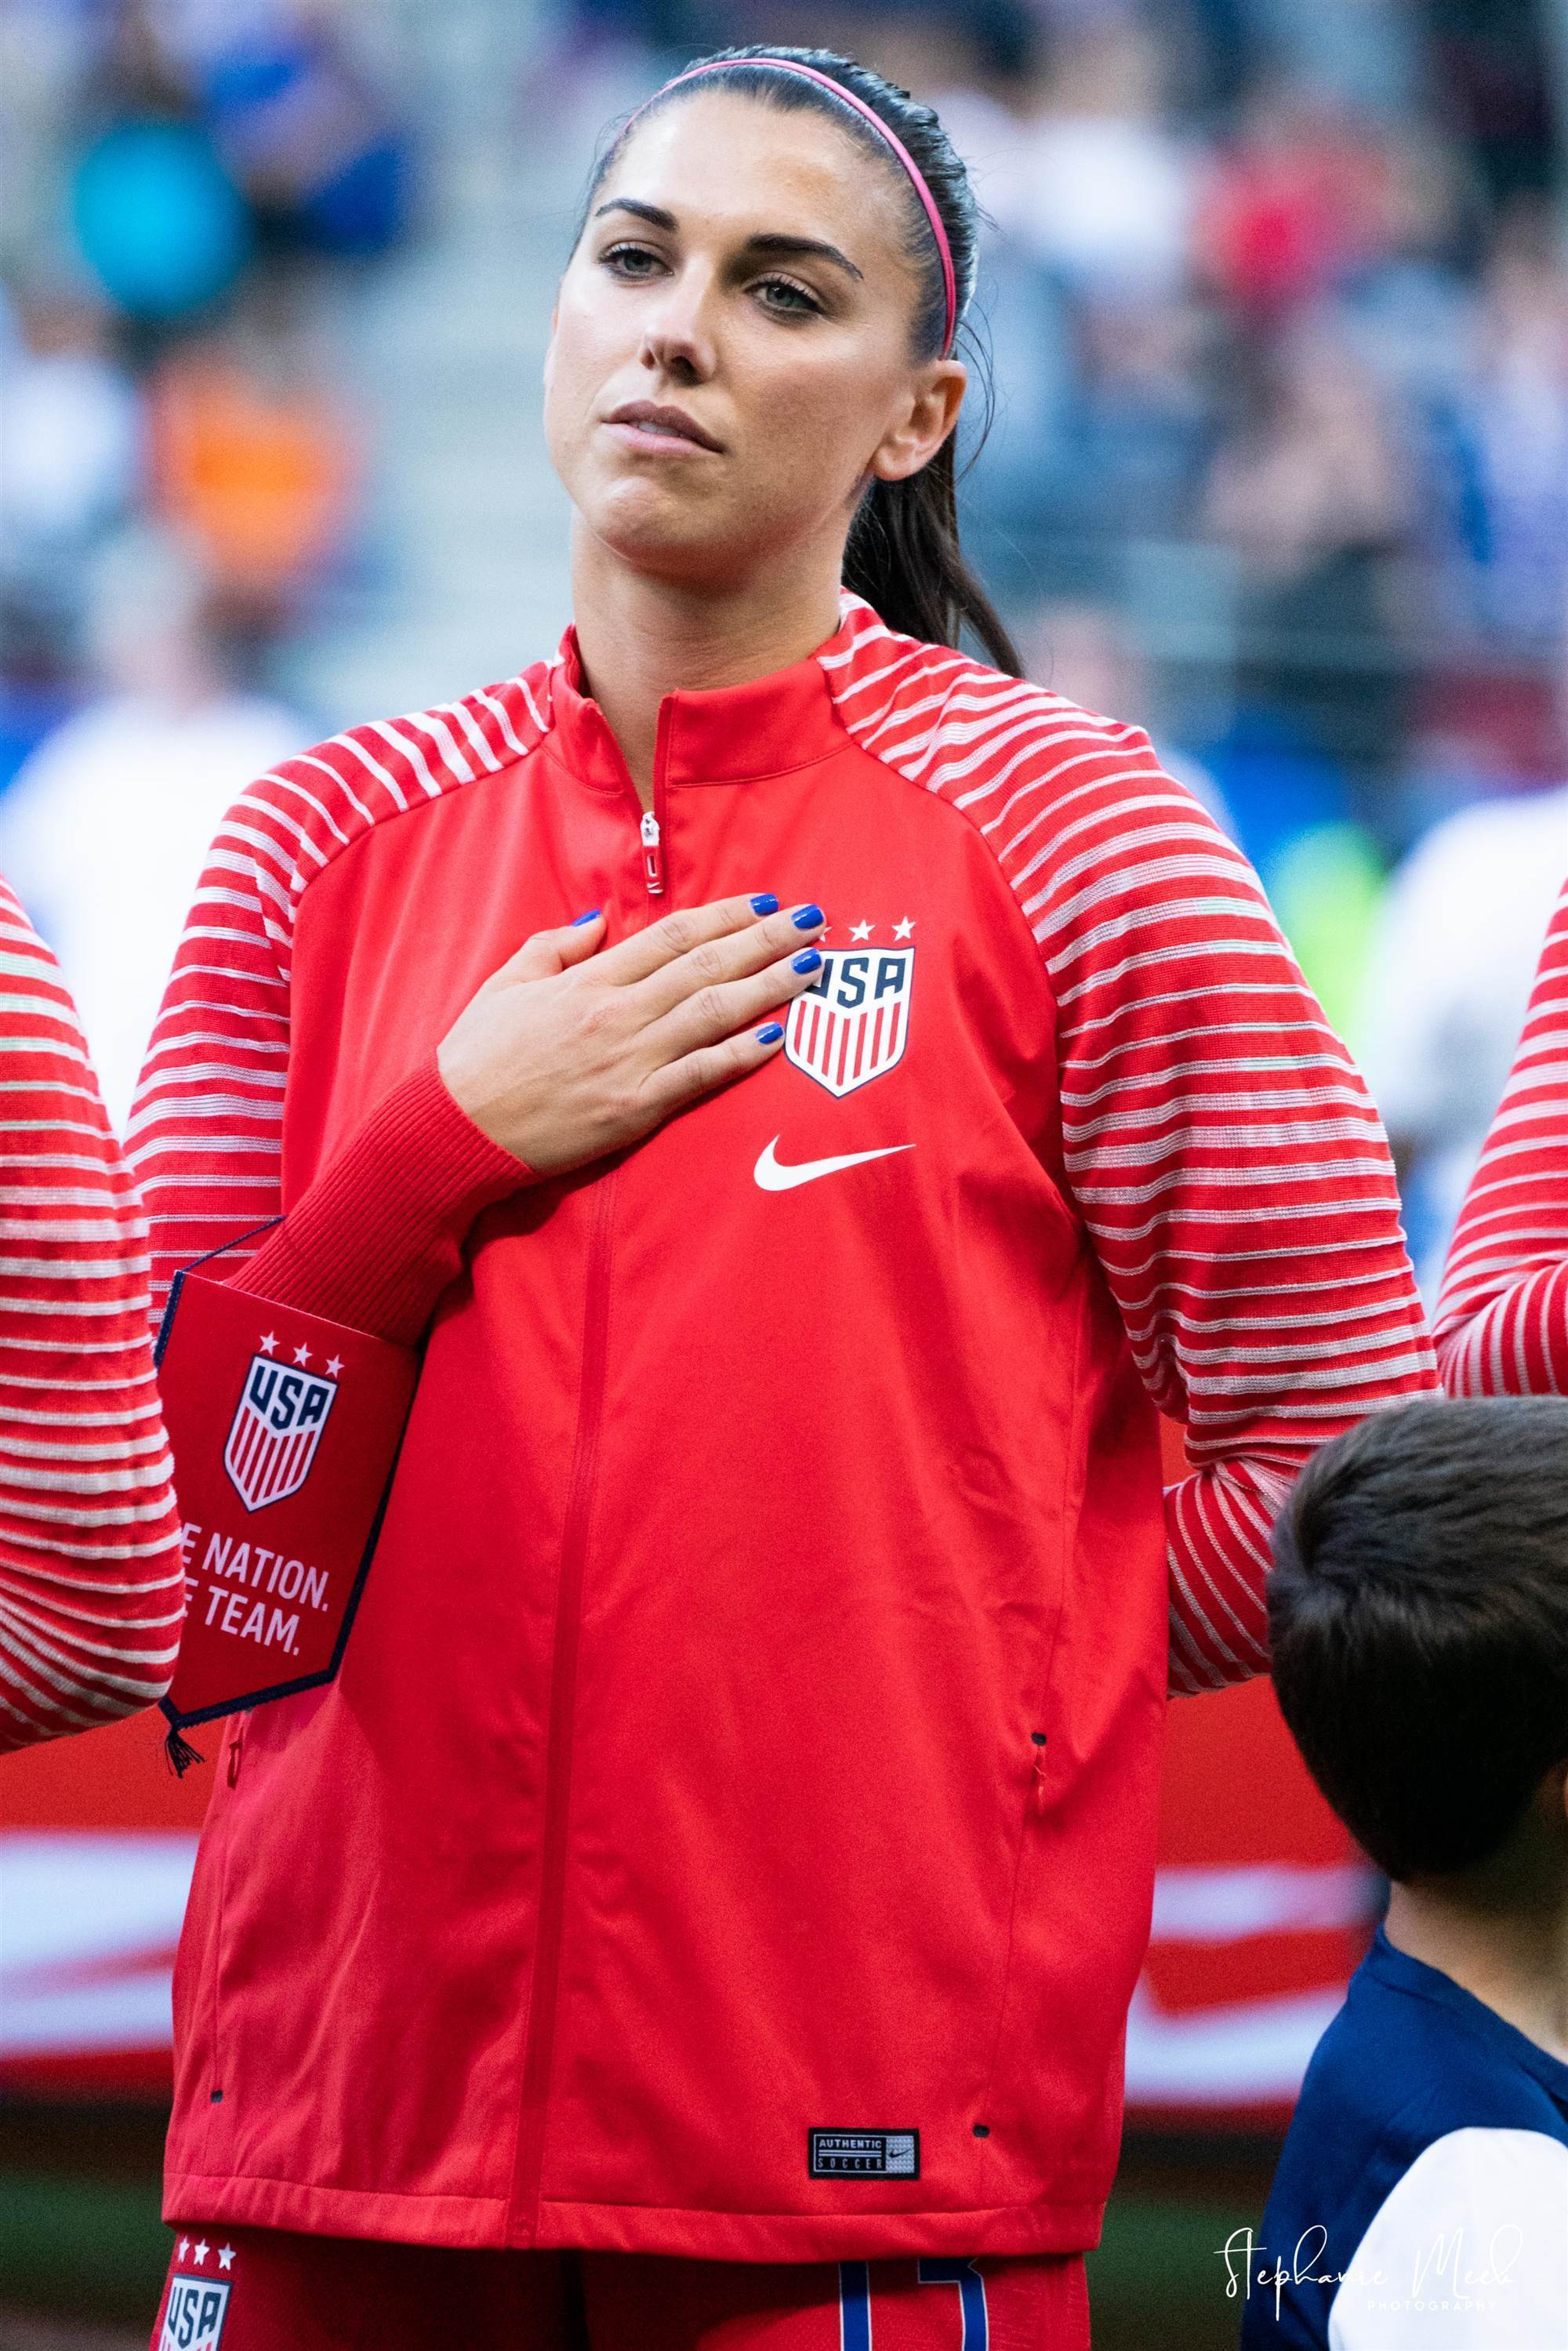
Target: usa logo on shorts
193	2320
276	1429
851	1024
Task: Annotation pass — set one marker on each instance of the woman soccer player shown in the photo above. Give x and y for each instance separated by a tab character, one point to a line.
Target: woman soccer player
727	1851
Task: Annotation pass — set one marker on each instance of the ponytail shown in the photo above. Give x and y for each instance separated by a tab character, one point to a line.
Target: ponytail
905	559
903	554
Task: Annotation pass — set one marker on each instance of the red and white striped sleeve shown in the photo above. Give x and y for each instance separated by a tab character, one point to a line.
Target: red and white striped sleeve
1233	1174
1502	1318
1220	1147
91	1585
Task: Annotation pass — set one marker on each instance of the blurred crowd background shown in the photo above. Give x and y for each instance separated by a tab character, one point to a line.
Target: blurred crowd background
1277	302
1279	460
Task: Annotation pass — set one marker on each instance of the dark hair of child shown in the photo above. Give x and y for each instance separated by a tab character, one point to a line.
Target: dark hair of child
1418	1621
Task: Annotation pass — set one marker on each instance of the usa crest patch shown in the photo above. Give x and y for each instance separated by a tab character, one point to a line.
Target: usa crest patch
853	1023
276	1429
193	2319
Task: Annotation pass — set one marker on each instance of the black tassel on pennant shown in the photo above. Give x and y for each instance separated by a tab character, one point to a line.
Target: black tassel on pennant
177	1751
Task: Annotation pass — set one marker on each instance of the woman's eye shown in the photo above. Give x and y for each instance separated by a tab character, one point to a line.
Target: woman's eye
784	294
628	260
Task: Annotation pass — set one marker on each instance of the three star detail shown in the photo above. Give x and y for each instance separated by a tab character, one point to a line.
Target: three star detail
198	2254
865	930
268	1346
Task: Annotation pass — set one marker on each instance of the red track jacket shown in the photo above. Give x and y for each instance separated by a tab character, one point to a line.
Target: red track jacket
732	1833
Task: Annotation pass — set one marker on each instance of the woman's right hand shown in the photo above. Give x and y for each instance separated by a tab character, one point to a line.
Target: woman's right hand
566	1053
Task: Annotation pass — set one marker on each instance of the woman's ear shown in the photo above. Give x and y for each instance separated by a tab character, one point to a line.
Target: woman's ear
930	417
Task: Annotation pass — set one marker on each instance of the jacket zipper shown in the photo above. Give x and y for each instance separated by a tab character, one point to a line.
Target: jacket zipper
539	2045
653	854
651	829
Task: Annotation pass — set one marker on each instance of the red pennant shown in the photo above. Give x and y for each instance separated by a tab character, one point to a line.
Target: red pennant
284	1431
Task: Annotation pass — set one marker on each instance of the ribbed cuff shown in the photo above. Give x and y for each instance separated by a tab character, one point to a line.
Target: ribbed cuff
379	1235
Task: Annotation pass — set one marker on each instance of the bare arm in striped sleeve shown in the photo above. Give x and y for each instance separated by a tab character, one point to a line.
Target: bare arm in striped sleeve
91	1588
1502	1319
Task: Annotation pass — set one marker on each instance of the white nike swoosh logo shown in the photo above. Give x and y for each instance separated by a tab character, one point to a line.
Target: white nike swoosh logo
774	1178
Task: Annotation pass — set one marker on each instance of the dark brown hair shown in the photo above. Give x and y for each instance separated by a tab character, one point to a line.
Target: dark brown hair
1418	1619
903	555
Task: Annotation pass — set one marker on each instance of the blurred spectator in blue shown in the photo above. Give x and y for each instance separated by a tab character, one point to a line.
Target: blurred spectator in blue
220	130
158	218
106	825
1500	446
71	469
1444	994
301	123
1100	353
69	426
38	685
1308	488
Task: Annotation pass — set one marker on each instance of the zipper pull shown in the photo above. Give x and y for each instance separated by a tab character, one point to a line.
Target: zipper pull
653	854
236	1751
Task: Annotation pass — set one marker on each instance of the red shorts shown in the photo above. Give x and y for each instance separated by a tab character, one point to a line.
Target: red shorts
264	2290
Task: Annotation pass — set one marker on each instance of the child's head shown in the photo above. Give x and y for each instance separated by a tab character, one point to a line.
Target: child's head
1418	1617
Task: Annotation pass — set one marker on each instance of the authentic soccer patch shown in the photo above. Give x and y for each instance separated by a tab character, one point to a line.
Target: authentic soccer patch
193	2320
863	2155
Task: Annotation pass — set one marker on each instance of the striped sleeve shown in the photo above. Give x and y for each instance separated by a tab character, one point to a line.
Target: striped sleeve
1221	1149
378	1235
205	1133
1502	1318
1233	1174
91	1587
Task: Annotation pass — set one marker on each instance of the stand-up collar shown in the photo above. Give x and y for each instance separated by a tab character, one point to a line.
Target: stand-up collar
724	734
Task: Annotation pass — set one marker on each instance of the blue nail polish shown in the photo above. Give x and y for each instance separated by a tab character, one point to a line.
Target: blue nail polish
582	918
808	918
770	1035
765	904
806	960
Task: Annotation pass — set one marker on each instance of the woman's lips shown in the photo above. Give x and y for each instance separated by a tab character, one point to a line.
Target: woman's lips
664	431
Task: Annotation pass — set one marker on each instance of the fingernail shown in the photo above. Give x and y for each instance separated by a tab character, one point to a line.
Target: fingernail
770	1035
806	960
807	919
765	904
582	918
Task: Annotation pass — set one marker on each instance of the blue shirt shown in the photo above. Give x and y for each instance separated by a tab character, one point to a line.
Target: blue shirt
1431	2140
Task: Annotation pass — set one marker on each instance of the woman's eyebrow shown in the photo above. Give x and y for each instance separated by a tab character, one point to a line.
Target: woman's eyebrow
825	252
765	242
654	212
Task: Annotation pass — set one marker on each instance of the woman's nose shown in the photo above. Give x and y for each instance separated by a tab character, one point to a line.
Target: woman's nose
678	334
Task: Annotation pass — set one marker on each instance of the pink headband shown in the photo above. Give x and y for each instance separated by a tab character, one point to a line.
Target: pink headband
916	178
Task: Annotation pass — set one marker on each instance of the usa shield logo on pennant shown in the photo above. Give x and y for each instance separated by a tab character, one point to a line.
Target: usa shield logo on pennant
276	1429
193	2318
852	1022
